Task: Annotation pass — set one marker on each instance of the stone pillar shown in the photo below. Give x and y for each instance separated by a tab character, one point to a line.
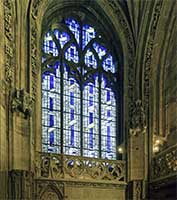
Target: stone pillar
20	185
137	157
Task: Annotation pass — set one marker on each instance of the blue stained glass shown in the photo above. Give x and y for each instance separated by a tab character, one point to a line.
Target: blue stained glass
51	82
51	138
72	98
108	125
62	37
108	139
90	60
90	118
72	114
51	120
71	54
108	96
108	113
101	51
90	101
88	33
91	138
49	45
51	104
74	26
71	81
108	64
91	89
72	135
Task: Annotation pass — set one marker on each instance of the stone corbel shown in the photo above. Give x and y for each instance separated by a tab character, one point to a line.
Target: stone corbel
21	102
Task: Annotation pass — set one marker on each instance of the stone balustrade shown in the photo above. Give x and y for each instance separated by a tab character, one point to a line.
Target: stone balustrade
59	167
164	164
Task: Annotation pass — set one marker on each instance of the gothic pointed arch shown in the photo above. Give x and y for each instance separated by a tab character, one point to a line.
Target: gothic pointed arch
39	10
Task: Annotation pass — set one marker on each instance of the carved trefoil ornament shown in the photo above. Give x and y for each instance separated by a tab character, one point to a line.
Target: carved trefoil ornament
138	118
22	102
58	166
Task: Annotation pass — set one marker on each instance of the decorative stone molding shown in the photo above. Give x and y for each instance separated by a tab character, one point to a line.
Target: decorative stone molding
21	102
130	46
58	166
49	190
164	164
103	185
137	119
148	54
35	8
9	41
34	57
9	70
21	184
8	19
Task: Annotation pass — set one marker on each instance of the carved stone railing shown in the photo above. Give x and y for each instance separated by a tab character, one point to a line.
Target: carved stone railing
59	167
164	164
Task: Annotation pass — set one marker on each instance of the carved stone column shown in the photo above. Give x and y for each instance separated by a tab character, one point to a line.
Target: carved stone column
137	160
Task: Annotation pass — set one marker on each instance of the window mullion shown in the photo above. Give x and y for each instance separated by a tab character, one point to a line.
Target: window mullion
81	122
62	105
81	94
99	82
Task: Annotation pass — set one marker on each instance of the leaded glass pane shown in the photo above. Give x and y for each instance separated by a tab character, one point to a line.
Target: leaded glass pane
108	64
51	111
74	27
108	122
63	37
71	54
49	45
91	119
71	116
88	33
101	51
90	60
71	86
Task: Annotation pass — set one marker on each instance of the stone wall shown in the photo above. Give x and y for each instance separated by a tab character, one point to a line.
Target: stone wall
147	32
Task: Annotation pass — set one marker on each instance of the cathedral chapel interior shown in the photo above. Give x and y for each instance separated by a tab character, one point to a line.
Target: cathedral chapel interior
88	99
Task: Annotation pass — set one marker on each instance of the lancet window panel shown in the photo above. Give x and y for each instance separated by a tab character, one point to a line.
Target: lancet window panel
79	103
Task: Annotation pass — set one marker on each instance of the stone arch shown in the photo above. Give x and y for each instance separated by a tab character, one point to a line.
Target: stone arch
115	14
50	192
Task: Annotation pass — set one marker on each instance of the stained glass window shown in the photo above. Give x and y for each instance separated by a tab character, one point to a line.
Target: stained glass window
79	104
